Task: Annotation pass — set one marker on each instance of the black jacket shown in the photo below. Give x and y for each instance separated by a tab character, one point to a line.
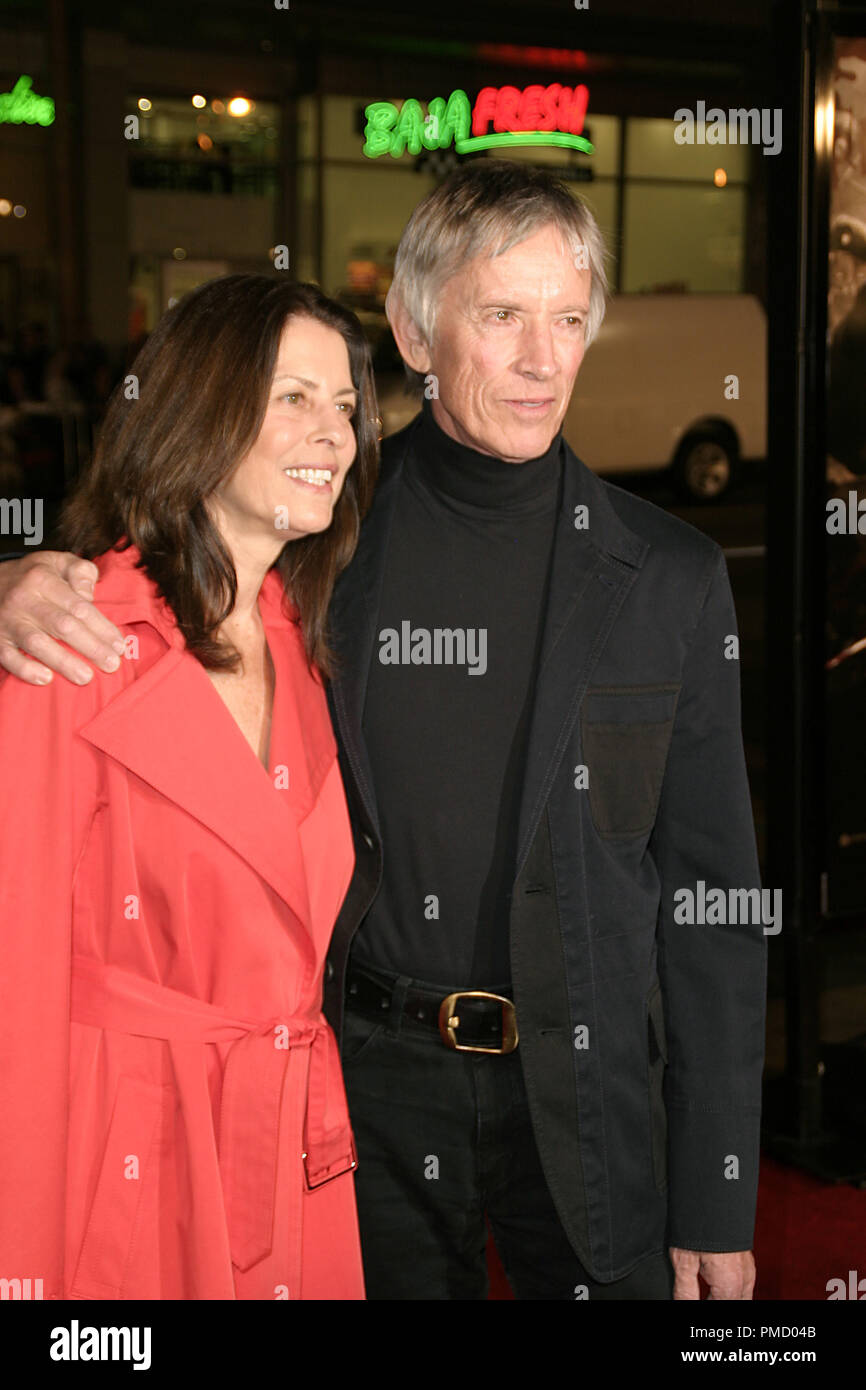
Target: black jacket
641	1039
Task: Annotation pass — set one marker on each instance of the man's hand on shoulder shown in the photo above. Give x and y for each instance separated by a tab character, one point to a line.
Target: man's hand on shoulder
48	596
729	1275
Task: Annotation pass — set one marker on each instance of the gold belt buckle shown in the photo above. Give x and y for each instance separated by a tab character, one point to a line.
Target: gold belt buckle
449	1022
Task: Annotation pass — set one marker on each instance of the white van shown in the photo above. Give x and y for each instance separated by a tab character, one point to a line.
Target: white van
655	389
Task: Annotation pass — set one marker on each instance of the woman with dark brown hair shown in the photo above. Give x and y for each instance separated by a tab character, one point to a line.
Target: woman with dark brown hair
174	1124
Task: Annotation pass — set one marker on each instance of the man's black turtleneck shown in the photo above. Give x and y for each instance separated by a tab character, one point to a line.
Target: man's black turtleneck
468	554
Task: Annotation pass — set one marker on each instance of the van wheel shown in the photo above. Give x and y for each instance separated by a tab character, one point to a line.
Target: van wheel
704	466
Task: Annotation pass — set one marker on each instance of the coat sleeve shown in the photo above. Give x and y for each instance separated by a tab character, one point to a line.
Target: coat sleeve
713	977
44	811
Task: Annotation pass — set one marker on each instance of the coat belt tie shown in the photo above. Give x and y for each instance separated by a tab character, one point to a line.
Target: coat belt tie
105	996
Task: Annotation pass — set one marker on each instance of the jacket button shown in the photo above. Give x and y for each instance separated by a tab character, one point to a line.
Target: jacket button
368	841
329	970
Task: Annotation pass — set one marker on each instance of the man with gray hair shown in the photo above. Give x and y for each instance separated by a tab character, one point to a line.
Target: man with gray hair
530	1036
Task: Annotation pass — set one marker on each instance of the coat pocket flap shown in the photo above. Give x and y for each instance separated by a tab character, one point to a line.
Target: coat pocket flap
630	704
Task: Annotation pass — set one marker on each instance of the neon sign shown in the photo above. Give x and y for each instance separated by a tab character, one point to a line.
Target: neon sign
23	105
535	115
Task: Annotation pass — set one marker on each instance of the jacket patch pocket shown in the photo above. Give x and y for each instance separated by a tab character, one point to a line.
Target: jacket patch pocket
625	734
126	1163
656	1063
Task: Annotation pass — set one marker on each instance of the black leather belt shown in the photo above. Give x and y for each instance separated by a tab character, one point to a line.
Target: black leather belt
467	1020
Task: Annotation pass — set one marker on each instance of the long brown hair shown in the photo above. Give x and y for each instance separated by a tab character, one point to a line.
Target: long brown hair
204	379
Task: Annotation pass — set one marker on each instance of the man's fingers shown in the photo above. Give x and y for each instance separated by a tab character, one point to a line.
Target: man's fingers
729	1275
727	1292
37	642
686	1287
686	1264
17	664
42	607
103	638
54	588
80	575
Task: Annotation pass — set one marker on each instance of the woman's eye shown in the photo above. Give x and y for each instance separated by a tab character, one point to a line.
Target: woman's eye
292	396
347	407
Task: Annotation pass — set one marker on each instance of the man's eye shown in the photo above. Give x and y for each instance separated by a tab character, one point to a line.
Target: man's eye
502	315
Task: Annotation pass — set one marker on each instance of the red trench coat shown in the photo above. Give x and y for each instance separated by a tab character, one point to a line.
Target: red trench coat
173	1122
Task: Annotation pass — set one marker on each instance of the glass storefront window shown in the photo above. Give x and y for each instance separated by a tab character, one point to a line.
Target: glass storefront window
184	148
600	198
684	238
365	208
652	152
341	117
666	223
365	211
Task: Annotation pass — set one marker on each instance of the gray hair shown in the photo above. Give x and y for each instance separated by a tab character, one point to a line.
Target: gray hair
489	204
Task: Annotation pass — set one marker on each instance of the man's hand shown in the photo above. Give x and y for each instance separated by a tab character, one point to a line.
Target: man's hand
46	596
729	1275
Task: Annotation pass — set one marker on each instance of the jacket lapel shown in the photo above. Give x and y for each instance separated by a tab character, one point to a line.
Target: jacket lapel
593	566
354	616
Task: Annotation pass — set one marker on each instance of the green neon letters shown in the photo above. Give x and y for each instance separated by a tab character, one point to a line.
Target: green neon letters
538	115
22	105
390	131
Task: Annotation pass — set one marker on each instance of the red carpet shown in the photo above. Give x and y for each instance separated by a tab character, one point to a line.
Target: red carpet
807	1232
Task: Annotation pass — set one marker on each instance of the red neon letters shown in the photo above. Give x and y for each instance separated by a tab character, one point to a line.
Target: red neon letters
535	108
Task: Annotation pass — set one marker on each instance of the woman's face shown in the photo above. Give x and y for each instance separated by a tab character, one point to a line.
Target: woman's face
288	484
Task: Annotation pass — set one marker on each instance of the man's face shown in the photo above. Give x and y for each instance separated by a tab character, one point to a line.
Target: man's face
508	342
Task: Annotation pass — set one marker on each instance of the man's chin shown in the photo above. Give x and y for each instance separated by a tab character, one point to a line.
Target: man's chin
521	438
511	435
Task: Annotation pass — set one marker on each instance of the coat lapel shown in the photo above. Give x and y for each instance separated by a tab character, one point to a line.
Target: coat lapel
592	569
170	728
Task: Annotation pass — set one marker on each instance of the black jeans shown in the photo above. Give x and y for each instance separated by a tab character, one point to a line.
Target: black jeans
443	1139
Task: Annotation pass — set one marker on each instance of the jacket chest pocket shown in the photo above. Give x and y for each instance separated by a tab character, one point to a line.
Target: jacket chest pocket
126	1171
625	735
